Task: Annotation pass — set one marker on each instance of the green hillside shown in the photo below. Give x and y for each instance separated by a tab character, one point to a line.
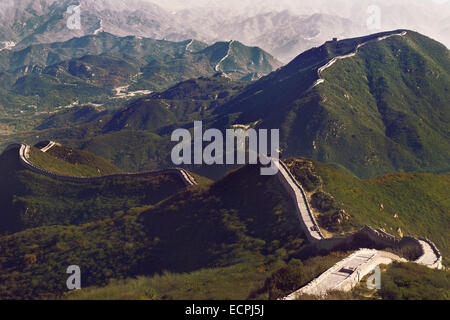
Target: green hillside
241	231
392	96
76	116
121	147
181	104
90	68
30	200
203	227
415	203
382	111
71	162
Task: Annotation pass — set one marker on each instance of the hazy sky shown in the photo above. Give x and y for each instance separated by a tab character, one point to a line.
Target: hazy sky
300	6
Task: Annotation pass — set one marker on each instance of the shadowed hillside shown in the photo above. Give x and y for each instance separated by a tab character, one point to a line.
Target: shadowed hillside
31	199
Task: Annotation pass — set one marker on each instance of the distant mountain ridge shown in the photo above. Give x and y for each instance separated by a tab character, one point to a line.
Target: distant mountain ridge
383	109
283	29
91	67
378	106
144	50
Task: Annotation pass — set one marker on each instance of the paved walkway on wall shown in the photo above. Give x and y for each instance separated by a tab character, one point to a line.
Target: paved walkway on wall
24	151
429	256
352	54
301	203
347	273
50	145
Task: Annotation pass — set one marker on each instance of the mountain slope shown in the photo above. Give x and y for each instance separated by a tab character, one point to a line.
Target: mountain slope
378	106
200	227
382	110
243	224
182	103
27	22
403	204
30	199
107	69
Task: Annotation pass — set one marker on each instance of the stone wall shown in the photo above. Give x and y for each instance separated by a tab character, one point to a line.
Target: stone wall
381	257
316	287
23	158
380	238
298	195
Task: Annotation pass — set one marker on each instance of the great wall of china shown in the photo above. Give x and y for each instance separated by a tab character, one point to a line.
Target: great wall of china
344	275
348	272
349	55
24	150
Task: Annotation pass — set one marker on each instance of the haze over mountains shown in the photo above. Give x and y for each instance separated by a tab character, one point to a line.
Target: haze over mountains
283	28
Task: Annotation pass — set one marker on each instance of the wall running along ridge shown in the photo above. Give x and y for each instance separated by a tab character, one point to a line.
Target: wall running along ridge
334	278
338	277
430	255
24	160
349	55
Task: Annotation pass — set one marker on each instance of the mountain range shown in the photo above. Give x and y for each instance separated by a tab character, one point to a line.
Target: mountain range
87	178
384	97
105	68
283	29
241	231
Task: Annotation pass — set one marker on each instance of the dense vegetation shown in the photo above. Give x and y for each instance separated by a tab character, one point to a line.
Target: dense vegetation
215	226
236	282
31	200
70	162
403	204
388	107
33	262
383	111
242	228
409	281
87	69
